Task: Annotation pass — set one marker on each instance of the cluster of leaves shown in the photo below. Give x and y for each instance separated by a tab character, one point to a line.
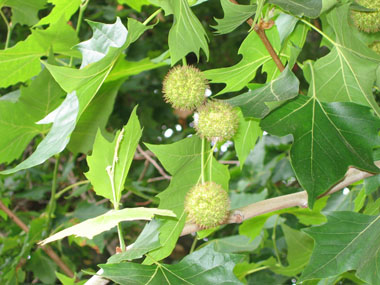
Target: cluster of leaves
67	93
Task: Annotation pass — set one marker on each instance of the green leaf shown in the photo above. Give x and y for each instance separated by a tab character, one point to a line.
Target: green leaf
63	119
348	241
187	33
372	184
182	159
22	61
147	241
246	136
62	9
254	55
235	244
135	4
255	103
117	154
234	16
107	221
204	266
309	8
300	247
124	68
24	12
18	115
82	85
104	36
328	138
348	72
94	118
42	267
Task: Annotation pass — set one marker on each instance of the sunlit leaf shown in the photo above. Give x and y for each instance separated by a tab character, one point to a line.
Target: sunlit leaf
24	12
62	9
18	115
107	221
22	61
103	156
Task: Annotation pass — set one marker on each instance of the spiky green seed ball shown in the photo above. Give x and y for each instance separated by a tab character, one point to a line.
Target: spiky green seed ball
184	87
367	21
207	205
217	121
375	47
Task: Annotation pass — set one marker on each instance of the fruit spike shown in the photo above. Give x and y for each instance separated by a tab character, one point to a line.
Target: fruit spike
184	87
217	121
207	205
367	21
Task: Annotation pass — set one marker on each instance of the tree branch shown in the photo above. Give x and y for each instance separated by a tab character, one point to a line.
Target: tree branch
153	162
282	202
260	30
47	249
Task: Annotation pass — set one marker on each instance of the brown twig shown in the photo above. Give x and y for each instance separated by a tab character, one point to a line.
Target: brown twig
282	202
153	162
47	249
260	30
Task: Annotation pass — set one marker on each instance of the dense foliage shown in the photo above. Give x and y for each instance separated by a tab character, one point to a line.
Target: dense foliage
96	166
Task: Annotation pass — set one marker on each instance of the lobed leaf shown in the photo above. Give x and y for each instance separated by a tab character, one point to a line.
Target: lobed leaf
328	138
118	154
234	16
348	241
187	33
204	266
62	9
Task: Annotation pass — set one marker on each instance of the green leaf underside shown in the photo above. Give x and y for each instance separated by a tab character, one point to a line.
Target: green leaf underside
146	241
309	8
300	247
187	33
204	266
24	12
104	37
234	16
107	221
22	61
348	72
328	138
18	119
103	156
63	119
348	241
246	136
62	9
183	160
253	103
